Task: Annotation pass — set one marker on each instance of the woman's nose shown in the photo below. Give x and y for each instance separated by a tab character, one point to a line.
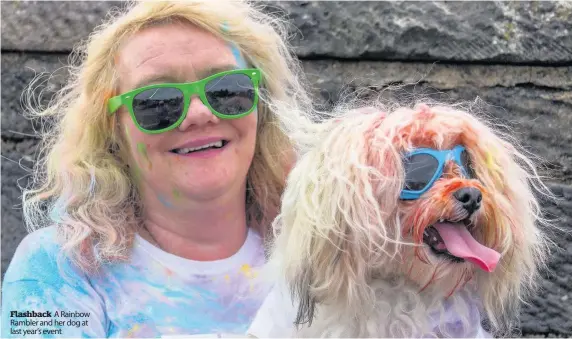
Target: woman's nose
198	115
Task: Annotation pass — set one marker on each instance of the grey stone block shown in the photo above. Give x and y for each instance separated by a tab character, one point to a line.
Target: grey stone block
506	32
50	25
536	101
513	32
550	311
17	158
48	74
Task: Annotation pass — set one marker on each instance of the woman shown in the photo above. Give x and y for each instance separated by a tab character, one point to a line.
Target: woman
160	178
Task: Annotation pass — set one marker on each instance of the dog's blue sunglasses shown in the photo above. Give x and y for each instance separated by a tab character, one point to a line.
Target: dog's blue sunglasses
423	166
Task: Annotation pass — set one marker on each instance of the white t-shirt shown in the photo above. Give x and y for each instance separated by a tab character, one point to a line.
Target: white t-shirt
275	318
154	294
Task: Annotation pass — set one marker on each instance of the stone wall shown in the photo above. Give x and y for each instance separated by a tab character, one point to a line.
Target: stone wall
516	57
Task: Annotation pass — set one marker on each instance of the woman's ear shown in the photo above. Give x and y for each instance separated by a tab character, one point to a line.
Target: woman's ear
333	226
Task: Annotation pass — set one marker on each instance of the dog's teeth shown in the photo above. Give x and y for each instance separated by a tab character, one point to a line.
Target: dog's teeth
441	220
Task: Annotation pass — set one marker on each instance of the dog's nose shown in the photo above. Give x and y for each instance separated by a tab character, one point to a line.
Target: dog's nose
470	198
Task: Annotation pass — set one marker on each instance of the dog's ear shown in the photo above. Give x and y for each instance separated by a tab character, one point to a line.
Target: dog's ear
518	230
338	211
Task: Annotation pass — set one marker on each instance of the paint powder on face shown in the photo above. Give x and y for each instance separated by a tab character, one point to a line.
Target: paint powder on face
240	62
137	175
127	134
136	170
176	194
164	201
142	148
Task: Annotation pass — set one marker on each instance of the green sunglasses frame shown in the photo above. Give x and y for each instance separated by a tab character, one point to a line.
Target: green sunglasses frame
188	90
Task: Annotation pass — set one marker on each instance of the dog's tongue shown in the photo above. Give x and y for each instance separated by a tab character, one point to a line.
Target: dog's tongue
461	244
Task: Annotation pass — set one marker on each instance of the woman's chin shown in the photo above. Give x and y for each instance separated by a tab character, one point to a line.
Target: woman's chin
207	189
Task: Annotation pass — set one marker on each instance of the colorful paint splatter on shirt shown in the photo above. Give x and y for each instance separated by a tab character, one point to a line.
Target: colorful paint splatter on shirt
154	294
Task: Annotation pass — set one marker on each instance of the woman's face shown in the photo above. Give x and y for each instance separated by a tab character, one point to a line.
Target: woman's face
185	53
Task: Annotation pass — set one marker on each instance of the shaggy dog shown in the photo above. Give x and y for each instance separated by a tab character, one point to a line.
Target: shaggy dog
418	223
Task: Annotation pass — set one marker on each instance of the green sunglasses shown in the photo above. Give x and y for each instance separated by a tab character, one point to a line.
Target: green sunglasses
162	107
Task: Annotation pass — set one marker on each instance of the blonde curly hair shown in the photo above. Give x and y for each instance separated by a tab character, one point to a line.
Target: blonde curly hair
82	182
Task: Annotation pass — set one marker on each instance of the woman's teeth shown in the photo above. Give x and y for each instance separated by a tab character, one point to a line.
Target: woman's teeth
217	144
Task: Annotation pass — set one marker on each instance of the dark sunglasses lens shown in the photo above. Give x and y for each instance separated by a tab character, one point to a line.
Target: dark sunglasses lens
467	164
230	94
158	108
419	170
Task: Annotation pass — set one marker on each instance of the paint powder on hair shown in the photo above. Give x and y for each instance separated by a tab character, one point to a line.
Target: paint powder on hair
108	95
92	182
59	209
224	27
490	161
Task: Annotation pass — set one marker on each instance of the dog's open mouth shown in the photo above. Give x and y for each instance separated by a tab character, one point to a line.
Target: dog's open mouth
454	241
433	239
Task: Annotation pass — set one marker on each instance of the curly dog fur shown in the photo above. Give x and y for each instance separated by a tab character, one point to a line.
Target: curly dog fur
351	251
